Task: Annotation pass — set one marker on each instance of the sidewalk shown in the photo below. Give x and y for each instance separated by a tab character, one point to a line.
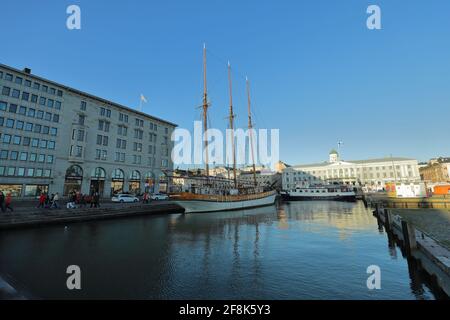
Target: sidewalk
27	215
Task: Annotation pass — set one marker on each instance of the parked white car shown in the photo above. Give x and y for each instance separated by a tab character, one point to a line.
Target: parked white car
159	196
124	198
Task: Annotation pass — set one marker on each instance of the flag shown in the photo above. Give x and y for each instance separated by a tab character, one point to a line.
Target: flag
143	99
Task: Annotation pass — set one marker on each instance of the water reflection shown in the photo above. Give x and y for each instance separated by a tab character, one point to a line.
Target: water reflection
299	250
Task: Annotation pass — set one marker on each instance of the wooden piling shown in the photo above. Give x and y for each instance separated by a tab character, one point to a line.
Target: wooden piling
409	236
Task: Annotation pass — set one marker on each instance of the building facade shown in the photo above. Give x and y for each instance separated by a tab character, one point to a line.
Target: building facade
54	138
437	170
372	173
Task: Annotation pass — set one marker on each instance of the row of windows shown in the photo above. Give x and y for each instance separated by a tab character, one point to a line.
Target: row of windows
25	172
29	112
43	101
25	156
27	141
137	159
28	83
347	170
360	176
28	126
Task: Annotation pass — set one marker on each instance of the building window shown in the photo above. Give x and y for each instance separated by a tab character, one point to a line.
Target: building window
56	118
122	130
42	101
23	156
103	125
105	112
83	105
25	96
50	103
139	122
6	91
102	140
45	88
123	117
81	119
58	105
28	83
3	105
76	151
17	140
34	98
10	123
36	86
138	134
15	93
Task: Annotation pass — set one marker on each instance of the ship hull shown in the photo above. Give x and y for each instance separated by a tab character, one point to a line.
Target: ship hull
194	206
349	198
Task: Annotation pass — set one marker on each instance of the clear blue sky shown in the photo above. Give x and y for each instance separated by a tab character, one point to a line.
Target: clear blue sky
317	72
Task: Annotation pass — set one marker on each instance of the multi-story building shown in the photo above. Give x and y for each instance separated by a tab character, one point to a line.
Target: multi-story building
54	138
437	170
264	178
373	173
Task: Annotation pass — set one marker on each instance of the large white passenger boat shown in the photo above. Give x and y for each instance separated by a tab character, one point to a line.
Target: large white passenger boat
205	193
327	192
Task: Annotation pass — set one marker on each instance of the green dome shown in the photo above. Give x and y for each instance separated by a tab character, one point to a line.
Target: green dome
333	151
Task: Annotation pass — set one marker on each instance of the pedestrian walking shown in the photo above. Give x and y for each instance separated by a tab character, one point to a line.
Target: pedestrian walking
41	200
2	201
8	202
97	200
55	201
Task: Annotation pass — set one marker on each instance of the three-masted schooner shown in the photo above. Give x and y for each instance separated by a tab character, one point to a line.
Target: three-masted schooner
205	193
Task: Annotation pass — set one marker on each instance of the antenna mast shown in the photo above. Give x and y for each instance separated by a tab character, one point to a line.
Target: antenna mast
232	125
250	129
205	111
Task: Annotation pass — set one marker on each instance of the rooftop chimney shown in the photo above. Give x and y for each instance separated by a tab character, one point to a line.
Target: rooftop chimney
27	70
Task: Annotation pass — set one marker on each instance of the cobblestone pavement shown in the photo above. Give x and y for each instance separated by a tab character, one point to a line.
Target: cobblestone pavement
434	222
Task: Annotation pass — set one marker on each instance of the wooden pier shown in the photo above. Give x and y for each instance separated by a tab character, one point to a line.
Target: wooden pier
431	251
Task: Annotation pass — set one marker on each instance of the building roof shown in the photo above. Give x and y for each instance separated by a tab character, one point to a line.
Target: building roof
333	151
323	164
88	95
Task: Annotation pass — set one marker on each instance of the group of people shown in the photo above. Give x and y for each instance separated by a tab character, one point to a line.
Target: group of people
79	200
49	202
5	202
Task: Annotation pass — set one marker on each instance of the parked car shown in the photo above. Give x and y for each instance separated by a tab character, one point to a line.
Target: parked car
159	196
124	198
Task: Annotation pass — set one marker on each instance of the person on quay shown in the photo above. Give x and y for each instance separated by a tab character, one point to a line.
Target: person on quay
55	201
2	201
8	202
42	198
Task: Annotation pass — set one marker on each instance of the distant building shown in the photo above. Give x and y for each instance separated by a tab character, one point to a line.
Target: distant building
264	178
437	170
373	173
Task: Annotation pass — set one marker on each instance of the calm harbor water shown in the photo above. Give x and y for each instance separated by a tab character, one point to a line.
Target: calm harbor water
298	250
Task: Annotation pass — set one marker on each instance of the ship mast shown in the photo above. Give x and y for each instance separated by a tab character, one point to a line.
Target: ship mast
250	130
232	125
205	111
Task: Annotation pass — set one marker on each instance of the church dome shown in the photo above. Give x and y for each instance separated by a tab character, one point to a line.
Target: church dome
333	152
